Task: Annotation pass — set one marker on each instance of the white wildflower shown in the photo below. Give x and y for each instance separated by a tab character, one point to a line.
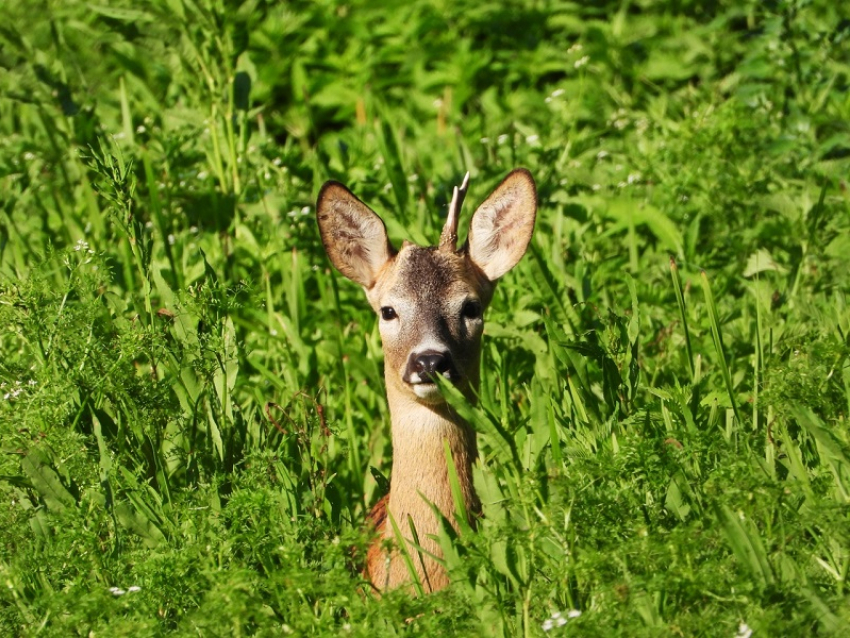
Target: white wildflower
531	139
141	128
575	48
744	631
305	210
117	591
134	588
502	138
581	61
601	155
558	619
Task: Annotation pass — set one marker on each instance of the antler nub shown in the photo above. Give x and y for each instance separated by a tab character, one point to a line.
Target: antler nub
448	238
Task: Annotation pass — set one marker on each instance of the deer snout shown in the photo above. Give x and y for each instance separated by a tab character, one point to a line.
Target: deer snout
422	367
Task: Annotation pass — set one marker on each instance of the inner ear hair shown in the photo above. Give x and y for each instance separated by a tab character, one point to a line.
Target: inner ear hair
354	236
501	228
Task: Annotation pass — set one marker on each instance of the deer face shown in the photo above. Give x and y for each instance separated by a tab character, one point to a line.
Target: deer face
430	301
430	306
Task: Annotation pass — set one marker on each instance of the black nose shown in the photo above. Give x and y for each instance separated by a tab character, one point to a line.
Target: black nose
429	363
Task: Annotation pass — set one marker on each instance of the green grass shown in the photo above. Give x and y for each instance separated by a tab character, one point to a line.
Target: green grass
191	400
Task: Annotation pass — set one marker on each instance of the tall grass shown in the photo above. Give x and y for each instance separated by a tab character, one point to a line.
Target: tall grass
193	419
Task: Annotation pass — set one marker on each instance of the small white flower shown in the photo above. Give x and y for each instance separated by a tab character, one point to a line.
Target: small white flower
141	128
581	61
202	175
117	591
601	155
744	631
557	619
485	140
29	156
81	245
438	103
557	93
596	187
575	48
134	588
277	161
305	210
531	139
502	138
171	240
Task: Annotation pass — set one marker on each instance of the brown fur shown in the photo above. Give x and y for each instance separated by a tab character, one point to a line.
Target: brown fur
430	291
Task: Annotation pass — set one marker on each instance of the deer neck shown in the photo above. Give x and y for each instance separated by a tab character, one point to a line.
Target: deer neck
420	472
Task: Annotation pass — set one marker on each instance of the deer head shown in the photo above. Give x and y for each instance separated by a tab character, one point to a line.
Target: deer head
430	301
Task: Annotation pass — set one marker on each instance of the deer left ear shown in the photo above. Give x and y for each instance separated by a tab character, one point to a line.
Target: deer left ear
354	236
501	228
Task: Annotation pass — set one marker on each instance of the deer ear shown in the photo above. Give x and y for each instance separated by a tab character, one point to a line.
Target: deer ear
355	238
501	227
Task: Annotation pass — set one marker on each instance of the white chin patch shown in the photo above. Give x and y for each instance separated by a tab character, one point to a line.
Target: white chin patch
427	391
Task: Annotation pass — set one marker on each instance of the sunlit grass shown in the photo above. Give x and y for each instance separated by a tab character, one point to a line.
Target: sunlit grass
192	412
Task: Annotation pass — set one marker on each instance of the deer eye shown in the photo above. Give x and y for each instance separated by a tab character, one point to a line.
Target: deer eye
471	310
388	313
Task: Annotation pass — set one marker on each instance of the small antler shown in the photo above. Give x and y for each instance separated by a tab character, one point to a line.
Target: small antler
448	238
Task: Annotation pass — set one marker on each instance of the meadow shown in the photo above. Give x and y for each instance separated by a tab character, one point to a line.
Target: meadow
192	415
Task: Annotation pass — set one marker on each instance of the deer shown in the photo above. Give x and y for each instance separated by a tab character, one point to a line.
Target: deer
430	303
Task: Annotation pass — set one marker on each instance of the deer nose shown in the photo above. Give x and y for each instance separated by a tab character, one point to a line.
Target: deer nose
425	365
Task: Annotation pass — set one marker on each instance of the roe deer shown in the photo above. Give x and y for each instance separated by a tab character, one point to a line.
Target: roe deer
430	303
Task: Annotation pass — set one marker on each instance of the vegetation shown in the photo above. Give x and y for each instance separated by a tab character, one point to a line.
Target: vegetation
192	410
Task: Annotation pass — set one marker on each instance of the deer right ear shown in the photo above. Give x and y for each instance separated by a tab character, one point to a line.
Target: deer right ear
501	227
355	238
